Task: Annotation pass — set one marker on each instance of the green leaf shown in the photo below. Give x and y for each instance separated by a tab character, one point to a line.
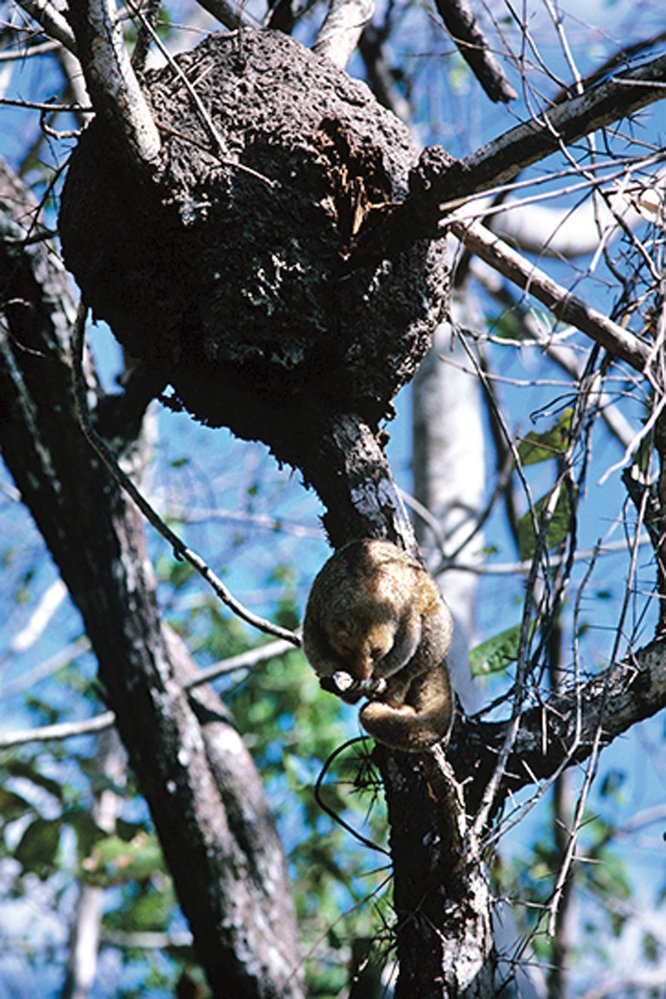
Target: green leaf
88	833
549	444
12	806
38	847
557	530
496	653
114	860
507	326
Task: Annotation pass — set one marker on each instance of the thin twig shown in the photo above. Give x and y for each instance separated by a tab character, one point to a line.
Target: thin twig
180	549
88	726
46	106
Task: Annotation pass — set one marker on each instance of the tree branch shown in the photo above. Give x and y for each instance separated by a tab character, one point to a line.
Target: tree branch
342	28
201	786
503	158
563	730
51	20
440	184
111	81
61	731
230	13
562	303
473	47
124	481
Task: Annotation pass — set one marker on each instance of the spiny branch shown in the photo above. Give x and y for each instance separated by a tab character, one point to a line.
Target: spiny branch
564	729
440	184
562	303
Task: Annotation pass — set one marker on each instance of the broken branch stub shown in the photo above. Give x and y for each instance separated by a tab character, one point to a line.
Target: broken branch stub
227	270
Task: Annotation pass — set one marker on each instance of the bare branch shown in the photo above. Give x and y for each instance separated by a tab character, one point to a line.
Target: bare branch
470	41
180	549
244	660
562	303
45	668
440	184
342	28
557	232
111	81
48	604
69	730
601	105
556	733
231	15
59	731
51	20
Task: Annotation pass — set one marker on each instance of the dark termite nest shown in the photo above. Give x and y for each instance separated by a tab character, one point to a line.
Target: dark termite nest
228	269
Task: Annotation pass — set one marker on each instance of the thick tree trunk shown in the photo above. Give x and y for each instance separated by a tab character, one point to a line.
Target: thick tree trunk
203	791
441	895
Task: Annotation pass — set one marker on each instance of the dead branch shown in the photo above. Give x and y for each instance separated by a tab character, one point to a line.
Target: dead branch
441	184
563	730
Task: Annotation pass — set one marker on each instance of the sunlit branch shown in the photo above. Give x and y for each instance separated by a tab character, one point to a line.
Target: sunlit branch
231	15
597	107
441	184
58	732
244	660
112	83
342	28
51	20
19	55
562	303
39	620
542	336
88	726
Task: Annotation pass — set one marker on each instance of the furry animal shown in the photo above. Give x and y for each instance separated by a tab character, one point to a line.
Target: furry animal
376	626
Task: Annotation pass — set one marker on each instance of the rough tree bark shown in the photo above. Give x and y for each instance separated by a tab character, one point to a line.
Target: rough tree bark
203	791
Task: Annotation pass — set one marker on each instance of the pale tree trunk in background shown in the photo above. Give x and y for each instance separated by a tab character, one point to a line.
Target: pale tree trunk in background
86	926
449	478
448	454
